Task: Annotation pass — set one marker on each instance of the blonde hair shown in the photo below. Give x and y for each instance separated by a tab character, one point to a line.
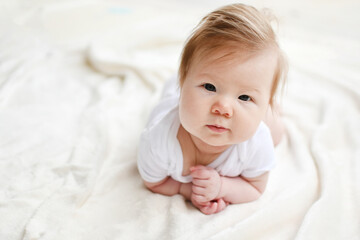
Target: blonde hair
237	25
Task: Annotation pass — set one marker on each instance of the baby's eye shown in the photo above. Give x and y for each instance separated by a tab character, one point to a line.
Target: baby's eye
244	98
209	87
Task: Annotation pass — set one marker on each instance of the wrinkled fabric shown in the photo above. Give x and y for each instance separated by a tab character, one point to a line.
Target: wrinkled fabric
78	81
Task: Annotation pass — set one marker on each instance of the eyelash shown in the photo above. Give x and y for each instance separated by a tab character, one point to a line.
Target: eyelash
211	88
248	98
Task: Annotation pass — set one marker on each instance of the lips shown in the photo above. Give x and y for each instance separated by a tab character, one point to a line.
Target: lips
217	128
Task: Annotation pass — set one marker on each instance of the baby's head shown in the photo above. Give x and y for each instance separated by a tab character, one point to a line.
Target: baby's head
230	70
235	28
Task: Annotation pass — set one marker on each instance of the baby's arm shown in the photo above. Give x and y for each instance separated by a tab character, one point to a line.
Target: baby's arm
241	189
209	185
169	187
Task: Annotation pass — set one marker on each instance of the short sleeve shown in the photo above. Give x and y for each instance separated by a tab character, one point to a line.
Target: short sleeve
151	166
155	141
261	153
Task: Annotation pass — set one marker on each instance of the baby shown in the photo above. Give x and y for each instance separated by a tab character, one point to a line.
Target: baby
212	141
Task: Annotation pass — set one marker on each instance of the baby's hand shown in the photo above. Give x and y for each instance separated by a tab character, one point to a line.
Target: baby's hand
211	207
206	184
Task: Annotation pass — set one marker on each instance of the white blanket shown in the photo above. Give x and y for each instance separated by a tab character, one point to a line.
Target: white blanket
77	82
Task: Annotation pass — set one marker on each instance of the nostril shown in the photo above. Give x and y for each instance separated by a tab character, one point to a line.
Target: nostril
215	111
228	115
224	113
222	109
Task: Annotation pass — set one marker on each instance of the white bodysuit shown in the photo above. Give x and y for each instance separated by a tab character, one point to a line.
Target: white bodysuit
160	153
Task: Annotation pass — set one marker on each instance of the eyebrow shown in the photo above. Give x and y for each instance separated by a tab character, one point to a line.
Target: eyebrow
253	90
205	75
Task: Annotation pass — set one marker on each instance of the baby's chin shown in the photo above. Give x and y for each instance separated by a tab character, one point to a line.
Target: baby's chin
220	142
215	142
212	141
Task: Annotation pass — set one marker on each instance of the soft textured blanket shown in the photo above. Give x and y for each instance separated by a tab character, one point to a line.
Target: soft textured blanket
78	80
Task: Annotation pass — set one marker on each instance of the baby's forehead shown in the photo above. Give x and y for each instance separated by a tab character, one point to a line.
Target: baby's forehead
218	52
229	54
239	63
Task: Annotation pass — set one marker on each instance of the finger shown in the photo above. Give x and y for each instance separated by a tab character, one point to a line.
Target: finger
198	205
210	209
206	204
200	182
199	199
221	205
198	190
200	173
198	167
196	202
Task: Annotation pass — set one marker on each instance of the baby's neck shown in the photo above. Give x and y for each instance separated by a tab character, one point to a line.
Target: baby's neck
197	152
203	148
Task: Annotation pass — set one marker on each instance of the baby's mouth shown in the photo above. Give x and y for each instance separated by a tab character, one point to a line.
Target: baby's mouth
217	128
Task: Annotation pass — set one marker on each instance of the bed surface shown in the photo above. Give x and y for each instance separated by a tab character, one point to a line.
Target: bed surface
78	80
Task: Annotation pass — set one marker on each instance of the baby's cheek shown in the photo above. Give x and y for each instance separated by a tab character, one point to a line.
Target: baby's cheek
191	111
186	119
244	129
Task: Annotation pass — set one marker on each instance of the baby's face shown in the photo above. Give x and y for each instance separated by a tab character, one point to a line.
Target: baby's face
225	97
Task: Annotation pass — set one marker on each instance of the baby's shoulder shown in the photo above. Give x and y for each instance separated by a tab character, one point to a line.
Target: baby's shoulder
261	137
164	111
260	141
160	133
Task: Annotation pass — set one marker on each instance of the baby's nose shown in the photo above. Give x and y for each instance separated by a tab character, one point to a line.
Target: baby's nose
222	107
